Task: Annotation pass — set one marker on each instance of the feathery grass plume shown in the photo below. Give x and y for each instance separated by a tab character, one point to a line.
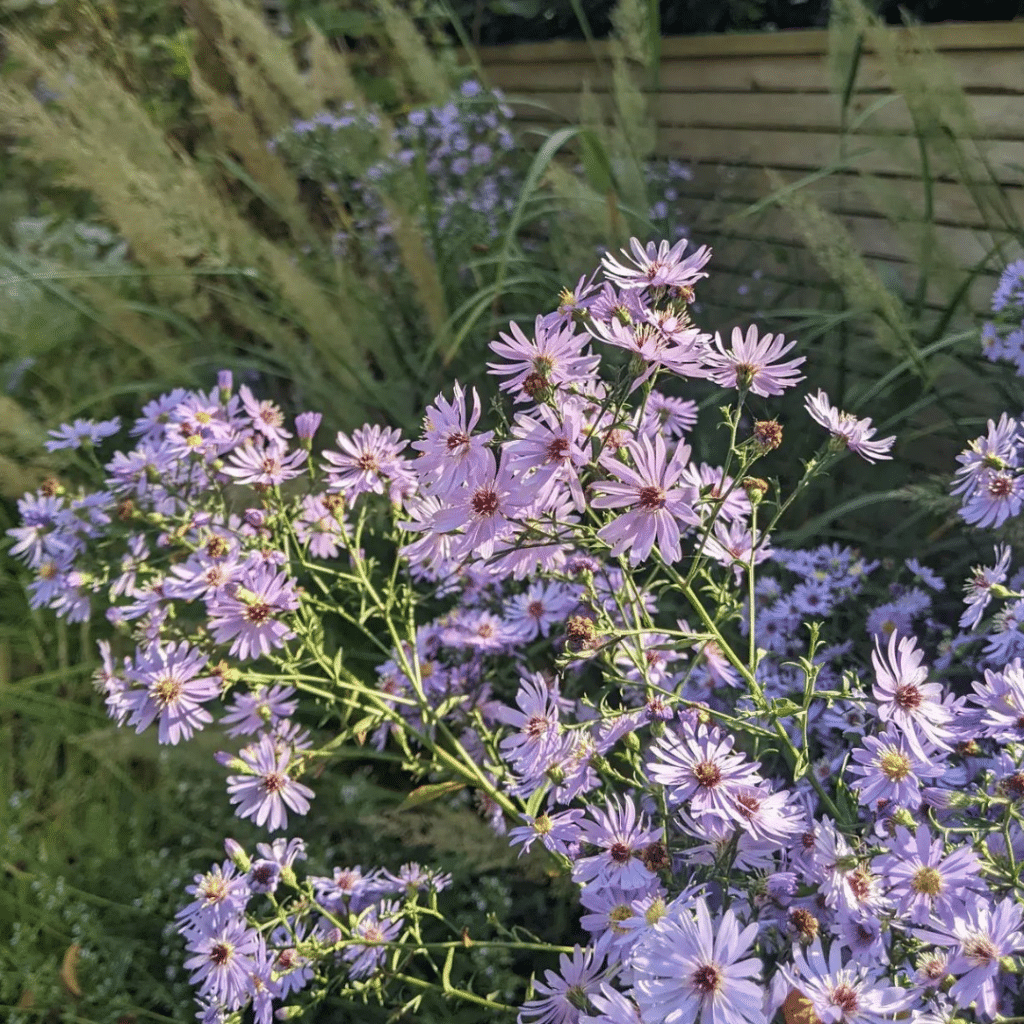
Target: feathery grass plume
261	65
330	76
423	75
830	241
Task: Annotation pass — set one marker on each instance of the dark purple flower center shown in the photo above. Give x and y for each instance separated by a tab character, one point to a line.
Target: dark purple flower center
258	613
274	782
620	853
484	502
536	726
860	884
368	461
557	450
707	773
845	997
1001	485
286	959
263	874
748	805
980	950
221	953
908	697
650	499
456	439
707	979
535	609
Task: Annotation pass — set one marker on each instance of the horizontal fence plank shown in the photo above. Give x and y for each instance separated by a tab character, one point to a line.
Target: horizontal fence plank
992	117
946	37
995	71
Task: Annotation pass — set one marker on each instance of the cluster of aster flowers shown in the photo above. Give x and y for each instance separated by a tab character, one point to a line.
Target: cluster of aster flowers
1002	337
456	160
593	634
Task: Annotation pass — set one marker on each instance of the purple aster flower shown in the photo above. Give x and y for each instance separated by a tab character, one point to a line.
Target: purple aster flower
536	742
485	509
555	445
558	832
552	358
622	836
541	607
654	266
261	708
753	364
978	588
657	503
449	451
266	417
891	770
845	995
266	789
1010	289
247	613
82	432
347	890
1000	699
376	925
997	497
847	430
703	770
223	962
982	936
321	523
997	449
412	877
905	697
925	882
221	895
672	417
564	992
368	460
169	687
691	968
264	465
681	352
612	1008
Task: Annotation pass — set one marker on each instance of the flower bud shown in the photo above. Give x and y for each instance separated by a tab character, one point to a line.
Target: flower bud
756	489
237	855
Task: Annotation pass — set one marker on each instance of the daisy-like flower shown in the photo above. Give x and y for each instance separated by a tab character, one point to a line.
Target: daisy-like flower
536	742
247	614
265	792
1000	699
264	465
266	417
691	968
703	770
997	449
368	461
998	496
657	503
754	365
169	687
485	510
261	708
223	961
449	451
847	430
563	993
555	446
925	882
844	995
623	837
557	832
982	936
82	432
219	896
552	358
978	588
672	417
655	266
906	698
891	771
376	925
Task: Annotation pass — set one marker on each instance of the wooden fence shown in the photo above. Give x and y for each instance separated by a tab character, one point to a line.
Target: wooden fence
735	106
